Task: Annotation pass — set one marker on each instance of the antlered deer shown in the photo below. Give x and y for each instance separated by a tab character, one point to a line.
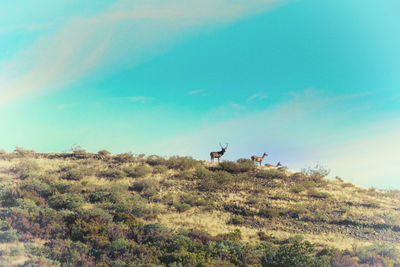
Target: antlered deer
217	155
258	159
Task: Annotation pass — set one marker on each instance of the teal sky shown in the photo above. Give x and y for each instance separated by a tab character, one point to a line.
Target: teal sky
306	81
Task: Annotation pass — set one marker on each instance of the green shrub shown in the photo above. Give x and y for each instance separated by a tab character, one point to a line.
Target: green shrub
154	160
9	196
270	174
193	200
160	169
26	167
253	200
104	153
65	201
75	175
113	174
344	185
368	254
143	184
270	213
182	163
242	165
236	220
297	189
236	235
138	171
35	185
186	174
8	236
124	158
181	207
297	253
213	180
316	194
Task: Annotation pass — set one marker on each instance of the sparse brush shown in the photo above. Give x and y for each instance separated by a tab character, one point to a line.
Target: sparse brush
182	163
236	220
271	174
154	160
237	167
26	167
138	171
181	207
297	189
160	169
124	158
317	194
270	213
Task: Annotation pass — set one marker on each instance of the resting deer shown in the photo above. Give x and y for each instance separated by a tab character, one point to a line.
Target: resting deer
217	155
258	159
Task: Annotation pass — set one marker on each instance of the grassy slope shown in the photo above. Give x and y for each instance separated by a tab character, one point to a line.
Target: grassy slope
329	212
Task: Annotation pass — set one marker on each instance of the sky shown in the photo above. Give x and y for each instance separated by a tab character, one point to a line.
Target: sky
306	81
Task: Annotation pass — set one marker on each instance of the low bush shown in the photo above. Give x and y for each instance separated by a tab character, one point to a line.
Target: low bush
181	207
213	180
138	171
242	165
236	220
112	174
75	175
65	201
297	189
25	168
143	185
104	153
182	163
236	235
8	236
160	169
193	200
154	160
124	158
317	194
378	253
271	174
9	196
270	213
296	253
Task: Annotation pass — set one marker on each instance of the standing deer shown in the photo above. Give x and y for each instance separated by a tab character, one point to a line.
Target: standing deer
258	159
217	155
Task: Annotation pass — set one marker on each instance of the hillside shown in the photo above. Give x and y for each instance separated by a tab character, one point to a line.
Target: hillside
81	209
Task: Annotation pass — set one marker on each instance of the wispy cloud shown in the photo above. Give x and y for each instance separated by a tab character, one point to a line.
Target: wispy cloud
259	96
237	106
139	98
122	36
196	92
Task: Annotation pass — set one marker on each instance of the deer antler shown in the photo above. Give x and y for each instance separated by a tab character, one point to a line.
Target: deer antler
226	146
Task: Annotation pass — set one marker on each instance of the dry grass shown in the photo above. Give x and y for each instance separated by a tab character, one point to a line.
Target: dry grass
343	202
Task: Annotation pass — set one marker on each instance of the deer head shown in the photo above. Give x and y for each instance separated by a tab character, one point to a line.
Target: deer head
223	149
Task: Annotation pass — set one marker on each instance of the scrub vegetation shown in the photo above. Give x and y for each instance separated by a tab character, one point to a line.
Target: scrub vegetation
83	209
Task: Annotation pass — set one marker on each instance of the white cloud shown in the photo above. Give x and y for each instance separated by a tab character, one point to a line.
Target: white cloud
196	92
121	36
260	96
